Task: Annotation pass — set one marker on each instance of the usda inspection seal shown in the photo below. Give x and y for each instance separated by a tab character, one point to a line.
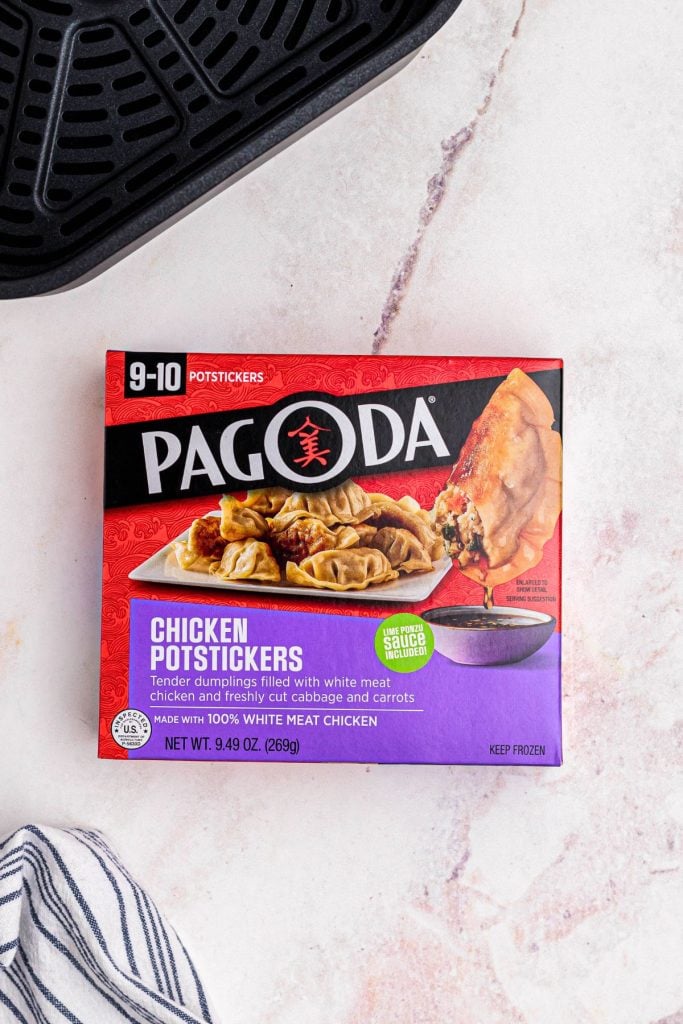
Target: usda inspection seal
131	729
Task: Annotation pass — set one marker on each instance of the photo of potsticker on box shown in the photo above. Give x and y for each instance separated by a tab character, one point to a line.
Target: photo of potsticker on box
332	558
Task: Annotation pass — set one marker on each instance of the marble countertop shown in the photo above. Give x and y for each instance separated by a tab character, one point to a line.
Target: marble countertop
512	192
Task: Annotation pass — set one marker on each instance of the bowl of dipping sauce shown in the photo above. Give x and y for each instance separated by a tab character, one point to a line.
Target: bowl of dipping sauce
472	635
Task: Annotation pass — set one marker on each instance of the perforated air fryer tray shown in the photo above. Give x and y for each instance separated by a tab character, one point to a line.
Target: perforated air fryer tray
116	114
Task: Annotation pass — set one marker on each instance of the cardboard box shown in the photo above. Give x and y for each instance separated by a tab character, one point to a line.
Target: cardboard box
298	551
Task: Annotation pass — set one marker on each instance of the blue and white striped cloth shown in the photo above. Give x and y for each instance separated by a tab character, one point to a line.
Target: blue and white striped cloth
81	942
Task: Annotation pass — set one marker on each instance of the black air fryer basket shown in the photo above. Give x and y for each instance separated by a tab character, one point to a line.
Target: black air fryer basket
117	114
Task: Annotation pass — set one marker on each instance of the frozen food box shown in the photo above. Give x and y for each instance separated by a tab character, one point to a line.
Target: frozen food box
332	558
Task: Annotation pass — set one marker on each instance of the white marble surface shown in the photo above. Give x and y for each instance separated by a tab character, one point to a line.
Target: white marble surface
405	895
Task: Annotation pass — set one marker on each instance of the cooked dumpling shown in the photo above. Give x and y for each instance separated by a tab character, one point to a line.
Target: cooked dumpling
402	549
503	498
352	569
407	502
338	505
438	549
238	523
204	537
247	560
365	533
296	535
266	500
388	512
190	560
411	505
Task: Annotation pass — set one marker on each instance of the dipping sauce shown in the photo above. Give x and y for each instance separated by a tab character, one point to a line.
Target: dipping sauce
484	621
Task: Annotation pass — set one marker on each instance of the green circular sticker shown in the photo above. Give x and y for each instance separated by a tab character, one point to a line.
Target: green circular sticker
404	642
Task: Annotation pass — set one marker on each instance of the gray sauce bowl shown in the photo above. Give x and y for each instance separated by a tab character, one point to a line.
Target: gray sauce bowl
501	645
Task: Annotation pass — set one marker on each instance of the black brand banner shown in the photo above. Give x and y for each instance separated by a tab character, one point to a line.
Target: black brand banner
307	442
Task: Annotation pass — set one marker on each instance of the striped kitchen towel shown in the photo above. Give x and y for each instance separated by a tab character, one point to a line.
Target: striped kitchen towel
81	942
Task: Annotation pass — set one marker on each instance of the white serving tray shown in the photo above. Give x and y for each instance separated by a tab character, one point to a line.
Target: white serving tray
412	587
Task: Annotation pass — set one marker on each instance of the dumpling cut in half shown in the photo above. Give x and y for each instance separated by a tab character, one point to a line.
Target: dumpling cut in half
247	560
352	569
504	496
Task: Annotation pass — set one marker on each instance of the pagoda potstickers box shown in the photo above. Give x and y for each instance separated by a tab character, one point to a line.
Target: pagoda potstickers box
332	558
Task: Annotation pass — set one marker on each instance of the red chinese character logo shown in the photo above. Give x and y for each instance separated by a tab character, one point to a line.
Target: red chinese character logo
308	439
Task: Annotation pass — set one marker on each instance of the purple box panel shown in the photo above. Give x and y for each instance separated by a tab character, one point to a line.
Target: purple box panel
224	683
